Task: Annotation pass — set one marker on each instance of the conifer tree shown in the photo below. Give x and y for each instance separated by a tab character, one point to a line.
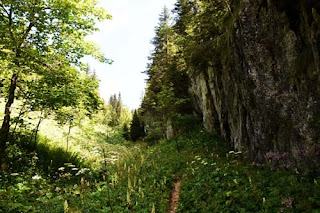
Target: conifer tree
167	94
136	127
115	103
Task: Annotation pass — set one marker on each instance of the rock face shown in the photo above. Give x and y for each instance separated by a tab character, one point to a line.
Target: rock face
267	99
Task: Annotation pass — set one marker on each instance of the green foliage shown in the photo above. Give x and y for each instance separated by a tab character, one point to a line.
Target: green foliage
199	37
140	178
119	115
185	123
126	132
102	171
43	42
154	133
167	87
136	127
44	28
49	158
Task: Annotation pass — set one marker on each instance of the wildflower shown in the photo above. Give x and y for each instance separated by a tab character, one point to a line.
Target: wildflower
61	169
36	177
82	171
235	181
66	175
204	162
49	195
66	206
14	174
57	189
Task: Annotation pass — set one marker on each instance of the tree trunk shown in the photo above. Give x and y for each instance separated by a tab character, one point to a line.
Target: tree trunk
36	131
4	132
70	126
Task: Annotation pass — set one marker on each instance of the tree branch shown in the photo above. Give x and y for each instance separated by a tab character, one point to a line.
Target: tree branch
5	10
31	24
10	25
9	17
23	92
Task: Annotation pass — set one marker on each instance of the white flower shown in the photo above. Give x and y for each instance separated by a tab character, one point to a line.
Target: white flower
82	171
14	174
36	177
69	165
61	169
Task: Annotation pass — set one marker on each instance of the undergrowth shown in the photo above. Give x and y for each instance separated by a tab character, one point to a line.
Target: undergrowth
139	178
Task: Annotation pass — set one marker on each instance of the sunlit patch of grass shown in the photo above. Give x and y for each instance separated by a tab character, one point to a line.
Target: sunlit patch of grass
110	174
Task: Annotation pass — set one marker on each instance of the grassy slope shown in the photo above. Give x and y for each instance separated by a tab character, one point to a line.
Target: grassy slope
142	179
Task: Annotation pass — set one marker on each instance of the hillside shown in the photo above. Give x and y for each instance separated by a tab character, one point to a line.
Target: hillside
139	178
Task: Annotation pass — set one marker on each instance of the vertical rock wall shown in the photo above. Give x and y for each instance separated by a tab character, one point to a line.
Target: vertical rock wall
262	101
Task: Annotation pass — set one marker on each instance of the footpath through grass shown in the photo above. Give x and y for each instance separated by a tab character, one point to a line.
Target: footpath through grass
141	180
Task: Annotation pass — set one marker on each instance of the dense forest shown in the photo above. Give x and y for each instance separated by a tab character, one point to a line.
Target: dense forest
229	121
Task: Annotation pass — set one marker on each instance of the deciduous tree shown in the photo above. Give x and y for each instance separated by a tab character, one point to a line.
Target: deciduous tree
38	33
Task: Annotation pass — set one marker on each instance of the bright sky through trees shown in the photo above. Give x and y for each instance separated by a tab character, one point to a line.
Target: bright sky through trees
126	40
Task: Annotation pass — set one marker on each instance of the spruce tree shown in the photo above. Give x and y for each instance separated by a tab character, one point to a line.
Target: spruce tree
167	96
136	127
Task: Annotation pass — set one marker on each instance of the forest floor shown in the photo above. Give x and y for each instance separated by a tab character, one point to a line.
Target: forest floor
195	172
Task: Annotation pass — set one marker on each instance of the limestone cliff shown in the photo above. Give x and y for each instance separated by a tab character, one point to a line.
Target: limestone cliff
267	98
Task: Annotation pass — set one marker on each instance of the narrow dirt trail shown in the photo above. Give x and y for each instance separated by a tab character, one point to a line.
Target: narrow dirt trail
175	197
